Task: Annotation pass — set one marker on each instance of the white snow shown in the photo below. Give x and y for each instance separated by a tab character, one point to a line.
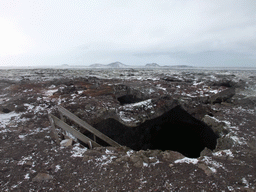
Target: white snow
57	168
213	165
27	176
159	87
30	107
78	151
104	160
22	136
187	160
5	118
50	92
142	103
24	160
108	152
214	91
212	169
221	153
197	83
129	153
124	118
245	182
238	140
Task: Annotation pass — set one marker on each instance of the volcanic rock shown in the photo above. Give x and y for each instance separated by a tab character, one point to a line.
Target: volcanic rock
42	177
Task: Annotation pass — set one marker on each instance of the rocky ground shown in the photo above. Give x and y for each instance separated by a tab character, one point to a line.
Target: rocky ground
30	160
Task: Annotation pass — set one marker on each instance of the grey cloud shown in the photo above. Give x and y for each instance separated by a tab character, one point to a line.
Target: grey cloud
166	31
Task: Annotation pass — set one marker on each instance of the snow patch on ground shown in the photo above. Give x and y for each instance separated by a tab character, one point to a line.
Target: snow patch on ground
226	153
27	176
124	118
5	118
146	103
50	92
77	151
57	168
238	140
244	181
24	160
213	165
187	160
104	160
126	109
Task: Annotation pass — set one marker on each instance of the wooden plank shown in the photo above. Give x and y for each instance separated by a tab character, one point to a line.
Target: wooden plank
63	119
55	134
88	127
74	132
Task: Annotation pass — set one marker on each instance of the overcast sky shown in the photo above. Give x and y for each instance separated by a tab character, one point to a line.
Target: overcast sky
134	32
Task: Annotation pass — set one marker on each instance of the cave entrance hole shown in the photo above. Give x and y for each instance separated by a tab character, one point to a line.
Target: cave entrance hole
5	110
128	99
175	130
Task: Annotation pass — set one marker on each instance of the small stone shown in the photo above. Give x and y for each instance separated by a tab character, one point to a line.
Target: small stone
28	164
42	177
66	142
152	160
122	159
145	159
205	168
137	161
138	164
206	152
20	129
135	158
172	155
87	157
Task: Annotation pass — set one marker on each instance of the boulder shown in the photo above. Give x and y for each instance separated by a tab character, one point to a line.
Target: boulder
172	156
225	95
217	126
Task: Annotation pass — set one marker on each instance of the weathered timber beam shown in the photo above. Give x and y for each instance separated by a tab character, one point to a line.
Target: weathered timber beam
88	127
55	134
74	132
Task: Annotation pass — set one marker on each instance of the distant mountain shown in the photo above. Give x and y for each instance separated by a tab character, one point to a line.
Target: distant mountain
153	65
110	65
117	65
97	65
64	65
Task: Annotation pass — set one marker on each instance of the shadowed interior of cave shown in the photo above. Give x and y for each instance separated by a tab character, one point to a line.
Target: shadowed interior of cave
128	99
175	130
6	110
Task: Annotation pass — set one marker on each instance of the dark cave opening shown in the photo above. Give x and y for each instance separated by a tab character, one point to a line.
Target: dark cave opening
175	130
128	99
5	110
